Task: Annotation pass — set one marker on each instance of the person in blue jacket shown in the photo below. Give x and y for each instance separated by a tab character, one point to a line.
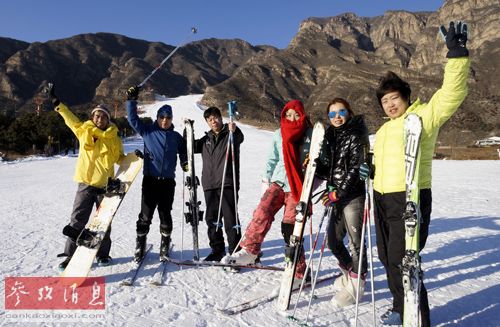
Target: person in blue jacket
161	146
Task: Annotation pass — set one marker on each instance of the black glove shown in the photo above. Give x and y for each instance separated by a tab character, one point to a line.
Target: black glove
185	167
133	93
114	186
50	90
456	39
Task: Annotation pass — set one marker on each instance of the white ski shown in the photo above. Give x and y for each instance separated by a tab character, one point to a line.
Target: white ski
302	215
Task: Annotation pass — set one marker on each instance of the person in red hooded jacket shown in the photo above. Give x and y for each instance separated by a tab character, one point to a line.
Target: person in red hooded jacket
283	177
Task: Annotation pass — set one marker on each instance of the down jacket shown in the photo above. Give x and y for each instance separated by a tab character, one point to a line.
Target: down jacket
99	150
344	150
389	144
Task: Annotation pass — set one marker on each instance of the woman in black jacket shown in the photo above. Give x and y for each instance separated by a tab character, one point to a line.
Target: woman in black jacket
344	148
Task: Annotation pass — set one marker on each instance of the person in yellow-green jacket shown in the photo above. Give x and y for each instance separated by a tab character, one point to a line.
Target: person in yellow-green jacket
389	162
100	149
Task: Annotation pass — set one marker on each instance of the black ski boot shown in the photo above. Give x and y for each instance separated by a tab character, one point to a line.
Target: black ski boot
64	264
215	255
164	247
140	247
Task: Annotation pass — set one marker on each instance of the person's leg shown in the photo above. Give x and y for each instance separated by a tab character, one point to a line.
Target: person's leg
165	200
425	210
353	220
287	227
233	231
148	206
336	232
263	217
83	204
105	247
215	236
395	206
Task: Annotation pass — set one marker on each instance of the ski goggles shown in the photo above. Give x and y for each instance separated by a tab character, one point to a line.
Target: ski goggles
164	117
342	113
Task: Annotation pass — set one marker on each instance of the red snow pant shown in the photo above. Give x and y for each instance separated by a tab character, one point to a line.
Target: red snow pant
271	202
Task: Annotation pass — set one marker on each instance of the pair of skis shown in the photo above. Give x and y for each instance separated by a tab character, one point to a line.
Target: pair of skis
410	268
193	216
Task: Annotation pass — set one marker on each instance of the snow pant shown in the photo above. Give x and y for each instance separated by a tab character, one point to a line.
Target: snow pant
228	219
86	197
272	201
389	208
347	218
156	193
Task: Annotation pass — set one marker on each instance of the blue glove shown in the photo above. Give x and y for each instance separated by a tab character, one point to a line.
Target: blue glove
364	171
456	39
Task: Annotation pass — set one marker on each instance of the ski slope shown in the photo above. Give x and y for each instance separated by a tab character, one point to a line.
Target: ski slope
461	259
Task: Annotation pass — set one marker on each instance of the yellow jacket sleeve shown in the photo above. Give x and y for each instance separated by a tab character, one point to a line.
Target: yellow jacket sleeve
70	119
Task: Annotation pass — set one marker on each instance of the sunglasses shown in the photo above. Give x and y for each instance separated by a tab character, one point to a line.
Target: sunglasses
164	117
342	113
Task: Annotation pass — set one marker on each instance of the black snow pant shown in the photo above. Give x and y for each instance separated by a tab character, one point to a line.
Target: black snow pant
388	209
228	219
86	197
156	193
347	218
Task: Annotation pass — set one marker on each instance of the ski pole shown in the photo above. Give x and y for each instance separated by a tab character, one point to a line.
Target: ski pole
327	213
230	146
366	222
183	215
222	183
371	257
360	264
315	279
232	111
193	31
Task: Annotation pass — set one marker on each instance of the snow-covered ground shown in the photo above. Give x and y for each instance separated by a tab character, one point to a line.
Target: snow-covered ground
461	259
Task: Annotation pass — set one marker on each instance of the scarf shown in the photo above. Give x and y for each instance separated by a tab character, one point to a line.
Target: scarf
292	133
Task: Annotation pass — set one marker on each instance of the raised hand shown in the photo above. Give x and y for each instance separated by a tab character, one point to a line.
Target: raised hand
456	39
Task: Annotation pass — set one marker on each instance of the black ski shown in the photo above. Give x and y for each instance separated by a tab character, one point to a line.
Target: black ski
247	305
134	269
194	215
220	264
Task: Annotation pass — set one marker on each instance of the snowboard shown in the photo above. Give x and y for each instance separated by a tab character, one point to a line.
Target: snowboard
91	237
303	212
193	215
410	267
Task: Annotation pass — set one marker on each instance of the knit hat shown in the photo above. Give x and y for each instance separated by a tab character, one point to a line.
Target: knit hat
165	110
102	108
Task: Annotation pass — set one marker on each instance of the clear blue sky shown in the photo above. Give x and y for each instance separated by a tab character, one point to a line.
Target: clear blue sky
272	22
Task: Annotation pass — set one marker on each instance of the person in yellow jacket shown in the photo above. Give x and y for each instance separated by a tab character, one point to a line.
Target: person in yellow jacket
389	163
100	149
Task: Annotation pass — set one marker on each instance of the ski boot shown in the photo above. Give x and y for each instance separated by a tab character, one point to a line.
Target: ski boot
140	247
164	247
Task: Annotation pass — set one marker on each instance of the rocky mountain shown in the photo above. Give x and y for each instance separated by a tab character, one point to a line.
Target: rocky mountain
99	67
346	55
341	56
